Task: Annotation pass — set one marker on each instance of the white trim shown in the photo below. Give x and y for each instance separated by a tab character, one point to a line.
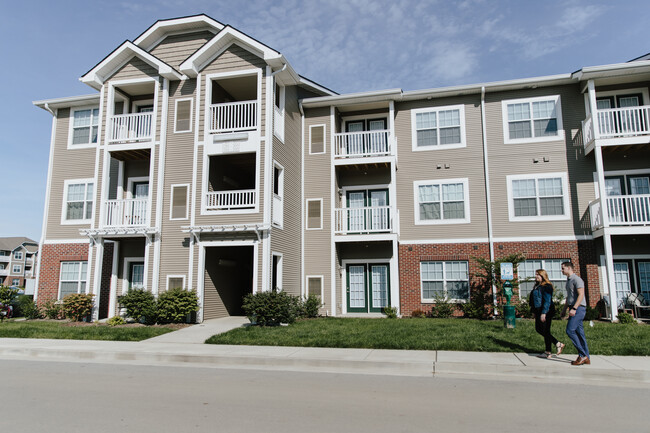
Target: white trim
280	111
280	270
280	195
441	182
332	188
503	239
141	103
324	138
175	276
137	179
171	201
195	157
126	272
112	294
303	287
89	145
176	131
547	138
268	172
565	197
65	241
307	213
322	286
621	92
64	208
414	134
58	295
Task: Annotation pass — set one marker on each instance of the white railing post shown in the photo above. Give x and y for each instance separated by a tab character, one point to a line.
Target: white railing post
232	116
228	200
133	126
362	144
126	213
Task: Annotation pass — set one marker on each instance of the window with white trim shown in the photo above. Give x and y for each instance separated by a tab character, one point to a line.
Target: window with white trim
314	214
78	200
175	282
16	269
18	255
527	268
532	119
438	127
183	115
538	197
72	278
441	201
316	139
179	200
444	279
315	286
85	124
15	281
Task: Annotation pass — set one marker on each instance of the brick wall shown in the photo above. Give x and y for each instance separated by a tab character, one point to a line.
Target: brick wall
53	255
105	291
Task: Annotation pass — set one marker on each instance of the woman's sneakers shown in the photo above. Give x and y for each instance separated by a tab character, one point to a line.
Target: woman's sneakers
560	347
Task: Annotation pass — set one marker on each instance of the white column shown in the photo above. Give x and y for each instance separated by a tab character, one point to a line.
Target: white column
113	290
97	281
609	274
593	108
394	279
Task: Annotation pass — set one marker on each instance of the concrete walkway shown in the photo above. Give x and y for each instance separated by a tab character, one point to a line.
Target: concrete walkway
185	348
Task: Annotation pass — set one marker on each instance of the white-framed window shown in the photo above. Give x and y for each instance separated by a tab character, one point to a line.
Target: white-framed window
15	281
175	282
444	279
527	268
2	266
84	127
537	197
532	119
278	194
315	285
133	270
438	127
444	201
77	201
179	202
276	272
18	255
72	278
16	269
317	139
314	214
183	115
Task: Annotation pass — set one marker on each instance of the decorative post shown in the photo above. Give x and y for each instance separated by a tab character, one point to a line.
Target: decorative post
507	274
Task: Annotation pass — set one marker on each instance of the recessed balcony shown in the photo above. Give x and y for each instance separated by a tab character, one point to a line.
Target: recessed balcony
134	127
623	210
365	144
126	212
626	125
232	117
365	220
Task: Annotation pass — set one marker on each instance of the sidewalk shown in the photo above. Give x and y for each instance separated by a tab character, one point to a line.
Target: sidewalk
185	348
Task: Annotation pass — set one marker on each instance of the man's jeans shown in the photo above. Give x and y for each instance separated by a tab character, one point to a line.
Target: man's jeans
576	332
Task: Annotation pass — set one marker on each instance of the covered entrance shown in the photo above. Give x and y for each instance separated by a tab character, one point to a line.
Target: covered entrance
229	273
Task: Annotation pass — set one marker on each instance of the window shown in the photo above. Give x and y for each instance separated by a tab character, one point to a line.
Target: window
441	201
533	119
78	199
16	269
2	266
18	255
136	275
183	116
15	282
444	279
175	282
315	286
72	278
438	128
538	197
527	268
316	139
84	126
314	214
278	194
179	202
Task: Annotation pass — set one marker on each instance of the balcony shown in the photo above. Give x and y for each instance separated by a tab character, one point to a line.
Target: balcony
624	210
364	144
232	117
230	200
364	220
126	213
130	128
5	259
4	272
627	125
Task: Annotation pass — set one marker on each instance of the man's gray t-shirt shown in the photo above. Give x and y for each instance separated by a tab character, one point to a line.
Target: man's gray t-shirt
573	283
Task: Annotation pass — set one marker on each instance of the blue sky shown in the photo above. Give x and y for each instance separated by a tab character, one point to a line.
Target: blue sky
348	46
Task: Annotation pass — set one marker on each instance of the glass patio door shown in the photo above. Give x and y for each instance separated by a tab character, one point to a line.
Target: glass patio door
644	278
357	301
622	282
356	211
368	288
379	214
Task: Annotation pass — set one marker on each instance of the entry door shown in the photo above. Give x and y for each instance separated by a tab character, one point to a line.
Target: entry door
622	281
136	275
614	187
357	299
368	288
379	213
643	268
629	120
361	219
377	142
356	211
354	142
137	210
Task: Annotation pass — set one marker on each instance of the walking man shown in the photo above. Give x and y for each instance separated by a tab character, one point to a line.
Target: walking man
577	306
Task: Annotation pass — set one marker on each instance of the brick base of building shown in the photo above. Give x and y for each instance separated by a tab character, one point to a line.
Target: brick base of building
51	257
581	253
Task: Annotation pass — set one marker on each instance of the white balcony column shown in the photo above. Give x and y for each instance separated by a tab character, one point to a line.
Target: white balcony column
593	107
609	275
97	274
602	192
113	290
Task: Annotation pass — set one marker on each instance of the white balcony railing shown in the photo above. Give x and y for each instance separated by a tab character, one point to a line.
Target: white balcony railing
362	144
4	272
358	220
130	127
622	210
5	259
587	131
232	116
227	200
278	210
126	213
623	122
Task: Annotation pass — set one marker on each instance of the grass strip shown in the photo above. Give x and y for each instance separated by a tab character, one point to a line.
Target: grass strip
59	330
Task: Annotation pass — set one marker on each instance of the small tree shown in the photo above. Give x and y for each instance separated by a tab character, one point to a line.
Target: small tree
489	275
7	294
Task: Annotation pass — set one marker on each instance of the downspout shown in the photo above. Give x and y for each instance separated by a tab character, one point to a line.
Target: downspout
487	191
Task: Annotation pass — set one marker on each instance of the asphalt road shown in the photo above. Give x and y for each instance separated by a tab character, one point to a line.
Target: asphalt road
57	397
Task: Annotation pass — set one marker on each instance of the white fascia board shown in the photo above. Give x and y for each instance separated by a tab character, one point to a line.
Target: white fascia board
163	27
590	72
70	101
308	83
353	98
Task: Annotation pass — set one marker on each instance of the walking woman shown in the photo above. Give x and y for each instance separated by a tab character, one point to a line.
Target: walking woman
543	309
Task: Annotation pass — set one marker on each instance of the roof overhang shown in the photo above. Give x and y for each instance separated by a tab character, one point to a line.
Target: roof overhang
71	101
353	98
614	70
162	28
107	67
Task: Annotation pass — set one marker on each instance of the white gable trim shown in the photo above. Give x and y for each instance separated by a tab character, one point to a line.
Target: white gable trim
161	29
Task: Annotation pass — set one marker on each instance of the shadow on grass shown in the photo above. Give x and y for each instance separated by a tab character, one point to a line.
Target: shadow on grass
510	345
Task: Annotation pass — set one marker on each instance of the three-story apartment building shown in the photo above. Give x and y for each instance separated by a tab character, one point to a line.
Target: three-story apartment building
18	261
204	161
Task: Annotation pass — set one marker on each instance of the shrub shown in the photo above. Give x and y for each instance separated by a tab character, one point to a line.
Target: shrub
626	319
418	313
271	308
77	306
443	309
390	312
175	304
310	306
52	309
7	294
478	306
140	305
522	309
27	307
116	320
591	313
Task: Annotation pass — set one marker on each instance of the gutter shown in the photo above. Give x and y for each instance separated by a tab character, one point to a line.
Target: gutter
487	189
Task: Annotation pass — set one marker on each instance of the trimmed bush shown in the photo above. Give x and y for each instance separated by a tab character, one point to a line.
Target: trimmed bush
52	309
77	306
140	305
27	308
443	309
390	312
175	304
626	319
591	313
116	320
310	306
418	314
271	308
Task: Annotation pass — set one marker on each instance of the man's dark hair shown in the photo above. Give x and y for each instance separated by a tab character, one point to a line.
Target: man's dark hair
568	265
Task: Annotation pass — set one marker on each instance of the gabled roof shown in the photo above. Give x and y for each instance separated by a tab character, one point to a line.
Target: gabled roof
10	244
161	28
122	54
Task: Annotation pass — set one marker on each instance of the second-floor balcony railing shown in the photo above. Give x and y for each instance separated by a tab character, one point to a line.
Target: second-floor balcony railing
4	271
230	200
622	210
126	213
617	123
360	220
362	144
232	117
130	127
5	259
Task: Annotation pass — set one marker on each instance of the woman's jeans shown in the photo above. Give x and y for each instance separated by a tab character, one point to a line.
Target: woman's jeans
544	329
576	332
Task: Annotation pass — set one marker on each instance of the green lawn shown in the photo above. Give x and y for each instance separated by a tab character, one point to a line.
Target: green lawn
438	334
59	330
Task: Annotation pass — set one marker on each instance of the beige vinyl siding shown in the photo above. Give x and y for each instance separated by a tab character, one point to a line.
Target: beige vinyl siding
317	185
66	164
565	156
175	49
464	163
135	68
